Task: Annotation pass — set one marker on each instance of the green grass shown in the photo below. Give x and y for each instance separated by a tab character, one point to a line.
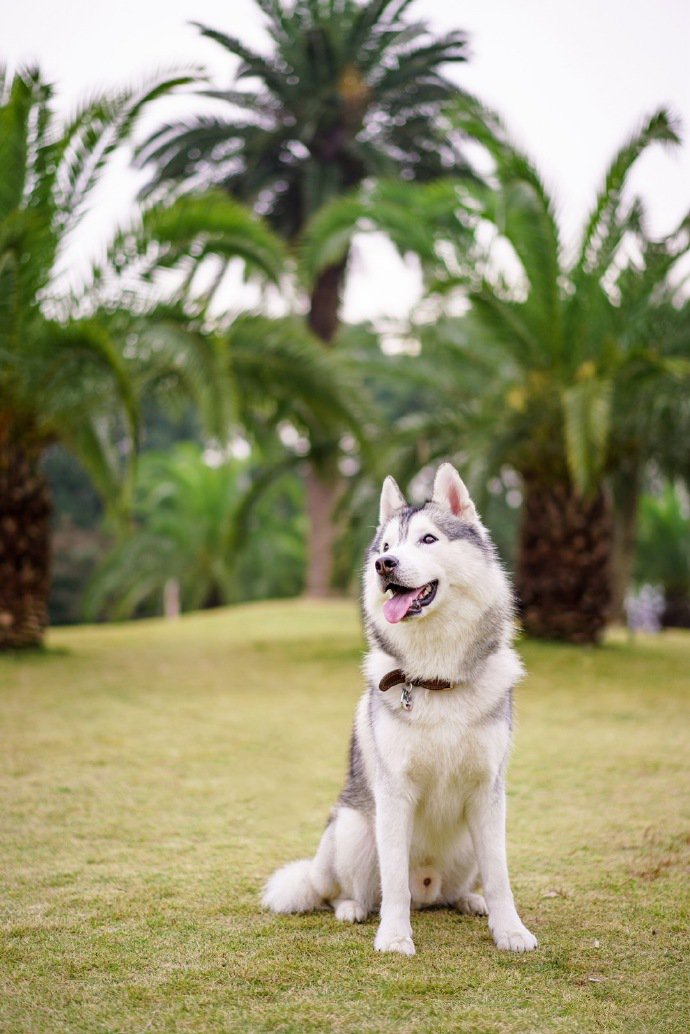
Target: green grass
152	776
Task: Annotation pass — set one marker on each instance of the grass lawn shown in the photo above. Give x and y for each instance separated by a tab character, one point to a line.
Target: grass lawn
152	776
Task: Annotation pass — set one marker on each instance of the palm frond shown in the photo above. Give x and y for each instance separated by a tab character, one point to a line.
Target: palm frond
213	224
368	16
281	369
22	94
601	223
82	342
106	453
522	209
175	361
414	217
253	64
101	128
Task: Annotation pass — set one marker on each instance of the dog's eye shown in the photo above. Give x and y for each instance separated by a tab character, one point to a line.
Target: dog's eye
428	539
386	547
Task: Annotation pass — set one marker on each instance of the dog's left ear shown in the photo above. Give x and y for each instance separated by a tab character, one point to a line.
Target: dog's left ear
451	493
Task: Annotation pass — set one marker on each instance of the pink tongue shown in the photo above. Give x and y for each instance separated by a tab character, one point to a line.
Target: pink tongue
397	606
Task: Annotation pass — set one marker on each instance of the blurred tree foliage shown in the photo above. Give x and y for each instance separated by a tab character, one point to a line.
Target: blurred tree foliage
78	541
198	525
663	550
80	538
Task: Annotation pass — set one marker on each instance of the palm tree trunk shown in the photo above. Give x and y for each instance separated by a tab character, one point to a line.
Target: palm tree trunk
323	490
322	498
563	576
325	302
25	511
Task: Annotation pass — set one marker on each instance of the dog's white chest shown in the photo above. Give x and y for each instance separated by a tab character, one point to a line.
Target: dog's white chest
435	748
442	767
439	752
444	755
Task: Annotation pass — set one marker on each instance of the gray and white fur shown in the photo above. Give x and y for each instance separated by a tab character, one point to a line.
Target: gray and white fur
421	819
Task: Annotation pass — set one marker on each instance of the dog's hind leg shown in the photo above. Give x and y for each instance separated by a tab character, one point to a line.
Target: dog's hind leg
355	866
323	867
471	904
461	880
465	896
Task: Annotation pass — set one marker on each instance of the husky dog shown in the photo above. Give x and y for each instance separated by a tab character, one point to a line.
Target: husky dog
421	819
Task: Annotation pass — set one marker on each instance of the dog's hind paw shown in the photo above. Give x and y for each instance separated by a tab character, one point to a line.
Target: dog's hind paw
472	905
349	911
518	938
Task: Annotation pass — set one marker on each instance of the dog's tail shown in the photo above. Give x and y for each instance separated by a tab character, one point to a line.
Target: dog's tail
306	885
292	889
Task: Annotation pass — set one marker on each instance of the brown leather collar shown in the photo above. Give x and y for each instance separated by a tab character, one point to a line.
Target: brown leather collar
399	678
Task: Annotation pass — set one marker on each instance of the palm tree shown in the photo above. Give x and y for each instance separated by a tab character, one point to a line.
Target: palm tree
553	356
350	90
588	344
183	512
60	380
73	368
191	531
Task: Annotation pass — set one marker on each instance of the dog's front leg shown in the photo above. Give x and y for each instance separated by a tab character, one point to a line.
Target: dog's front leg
394	815
486	817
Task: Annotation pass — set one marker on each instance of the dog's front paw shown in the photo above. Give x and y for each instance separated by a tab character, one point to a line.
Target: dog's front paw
392	940
514	938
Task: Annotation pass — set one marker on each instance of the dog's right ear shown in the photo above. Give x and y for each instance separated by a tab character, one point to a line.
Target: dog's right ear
451	493
391	499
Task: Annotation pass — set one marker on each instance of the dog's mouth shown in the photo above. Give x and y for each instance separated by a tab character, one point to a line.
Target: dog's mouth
405	602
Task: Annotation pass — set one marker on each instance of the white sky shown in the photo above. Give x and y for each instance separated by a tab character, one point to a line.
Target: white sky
571	79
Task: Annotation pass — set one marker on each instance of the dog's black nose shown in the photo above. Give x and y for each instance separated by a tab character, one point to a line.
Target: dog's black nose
385	564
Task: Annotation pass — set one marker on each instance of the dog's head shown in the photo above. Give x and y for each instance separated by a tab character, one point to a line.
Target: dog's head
425	556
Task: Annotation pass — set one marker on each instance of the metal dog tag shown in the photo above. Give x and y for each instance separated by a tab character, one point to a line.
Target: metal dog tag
406	698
